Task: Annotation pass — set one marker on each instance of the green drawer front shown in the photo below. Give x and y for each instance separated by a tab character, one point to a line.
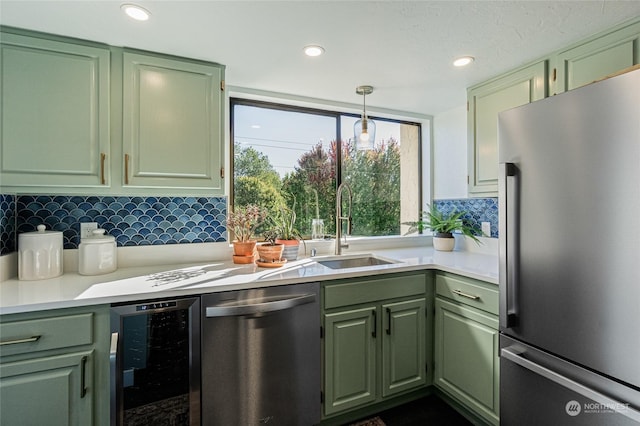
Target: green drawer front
45	333
365	291
468	291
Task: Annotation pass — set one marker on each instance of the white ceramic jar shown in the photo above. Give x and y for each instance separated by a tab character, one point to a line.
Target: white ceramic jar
97	254
39	254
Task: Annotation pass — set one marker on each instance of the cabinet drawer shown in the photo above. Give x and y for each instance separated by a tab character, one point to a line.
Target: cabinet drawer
365	291
468	291
43	334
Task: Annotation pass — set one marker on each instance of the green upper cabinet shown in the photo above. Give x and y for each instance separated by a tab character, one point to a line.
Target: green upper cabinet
172	123
55	113
596	58
579	64
485	102
85	118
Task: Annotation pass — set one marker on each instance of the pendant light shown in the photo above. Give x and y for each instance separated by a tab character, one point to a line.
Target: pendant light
364	129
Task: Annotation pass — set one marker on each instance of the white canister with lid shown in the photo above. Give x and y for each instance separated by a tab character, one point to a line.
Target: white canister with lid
97	254
39	254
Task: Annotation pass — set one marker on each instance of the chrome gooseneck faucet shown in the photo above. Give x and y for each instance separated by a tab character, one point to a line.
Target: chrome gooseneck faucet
340	217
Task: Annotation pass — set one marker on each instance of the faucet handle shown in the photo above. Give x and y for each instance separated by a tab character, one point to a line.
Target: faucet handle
314	252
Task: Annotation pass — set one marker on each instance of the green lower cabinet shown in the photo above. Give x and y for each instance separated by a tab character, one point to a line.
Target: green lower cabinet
54	368
403	346
350	359
375	340
466	357
52	391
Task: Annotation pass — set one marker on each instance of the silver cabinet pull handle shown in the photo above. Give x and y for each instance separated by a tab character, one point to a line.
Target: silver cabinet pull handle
467	295
23	340
259	306
569	383
83	376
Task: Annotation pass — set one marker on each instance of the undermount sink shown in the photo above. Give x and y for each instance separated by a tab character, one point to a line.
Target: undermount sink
354	262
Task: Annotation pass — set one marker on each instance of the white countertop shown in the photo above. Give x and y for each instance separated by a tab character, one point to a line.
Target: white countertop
153	282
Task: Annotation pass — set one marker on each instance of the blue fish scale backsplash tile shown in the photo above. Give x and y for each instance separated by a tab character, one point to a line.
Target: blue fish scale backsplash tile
133	221
137	221
478	210
7	224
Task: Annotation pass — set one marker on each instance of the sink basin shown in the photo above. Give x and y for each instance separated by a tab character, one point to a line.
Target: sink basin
354	262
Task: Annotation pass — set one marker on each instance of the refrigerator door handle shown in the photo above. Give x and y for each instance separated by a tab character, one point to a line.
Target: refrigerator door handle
508	229
619	407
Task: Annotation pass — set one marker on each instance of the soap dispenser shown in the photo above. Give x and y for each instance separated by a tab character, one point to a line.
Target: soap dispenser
97	254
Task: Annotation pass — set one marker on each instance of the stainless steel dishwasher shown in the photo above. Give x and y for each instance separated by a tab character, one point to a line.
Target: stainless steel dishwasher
261	356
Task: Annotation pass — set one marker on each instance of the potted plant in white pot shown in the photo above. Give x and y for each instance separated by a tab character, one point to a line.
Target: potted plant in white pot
284	224
443	226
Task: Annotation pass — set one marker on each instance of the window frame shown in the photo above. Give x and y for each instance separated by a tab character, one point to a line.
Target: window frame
234	100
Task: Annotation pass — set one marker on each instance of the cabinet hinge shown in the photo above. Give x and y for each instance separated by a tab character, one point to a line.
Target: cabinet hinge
555	74
222	85
467	179
222	172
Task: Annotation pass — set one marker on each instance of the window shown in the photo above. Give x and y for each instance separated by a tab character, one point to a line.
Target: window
298	156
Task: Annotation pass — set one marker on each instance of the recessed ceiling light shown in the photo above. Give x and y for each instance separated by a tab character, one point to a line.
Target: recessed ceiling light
136	12
462	61
313	50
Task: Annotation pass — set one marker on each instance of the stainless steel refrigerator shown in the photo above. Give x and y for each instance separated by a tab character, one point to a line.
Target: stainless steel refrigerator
569	193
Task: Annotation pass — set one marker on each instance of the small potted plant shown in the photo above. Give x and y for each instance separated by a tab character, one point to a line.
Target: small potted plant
243	221
443	225
270	251
284	223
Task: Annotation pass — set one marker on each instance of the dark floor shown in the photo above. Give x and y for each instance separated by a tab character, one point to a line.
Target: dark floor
429	410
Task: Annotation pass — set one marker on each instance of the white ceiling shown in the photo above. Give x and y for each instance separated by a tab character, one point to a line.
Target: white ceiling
402	48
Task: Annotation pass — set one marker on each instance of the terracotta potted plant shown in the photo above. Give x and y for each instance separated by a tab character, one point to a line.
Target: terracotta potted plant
270	251
443	226
243	222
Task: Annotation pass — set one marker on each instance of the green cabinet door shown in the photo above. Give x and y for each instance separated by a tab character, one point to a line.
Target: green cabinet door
597	58
350	359
466	357
52	391
55	113
484	103
403	346
172	123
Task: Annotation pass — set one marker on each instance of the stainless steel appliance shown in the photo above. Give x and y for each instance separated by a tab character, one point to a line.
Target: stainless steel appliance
570	257
155	363
261	356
